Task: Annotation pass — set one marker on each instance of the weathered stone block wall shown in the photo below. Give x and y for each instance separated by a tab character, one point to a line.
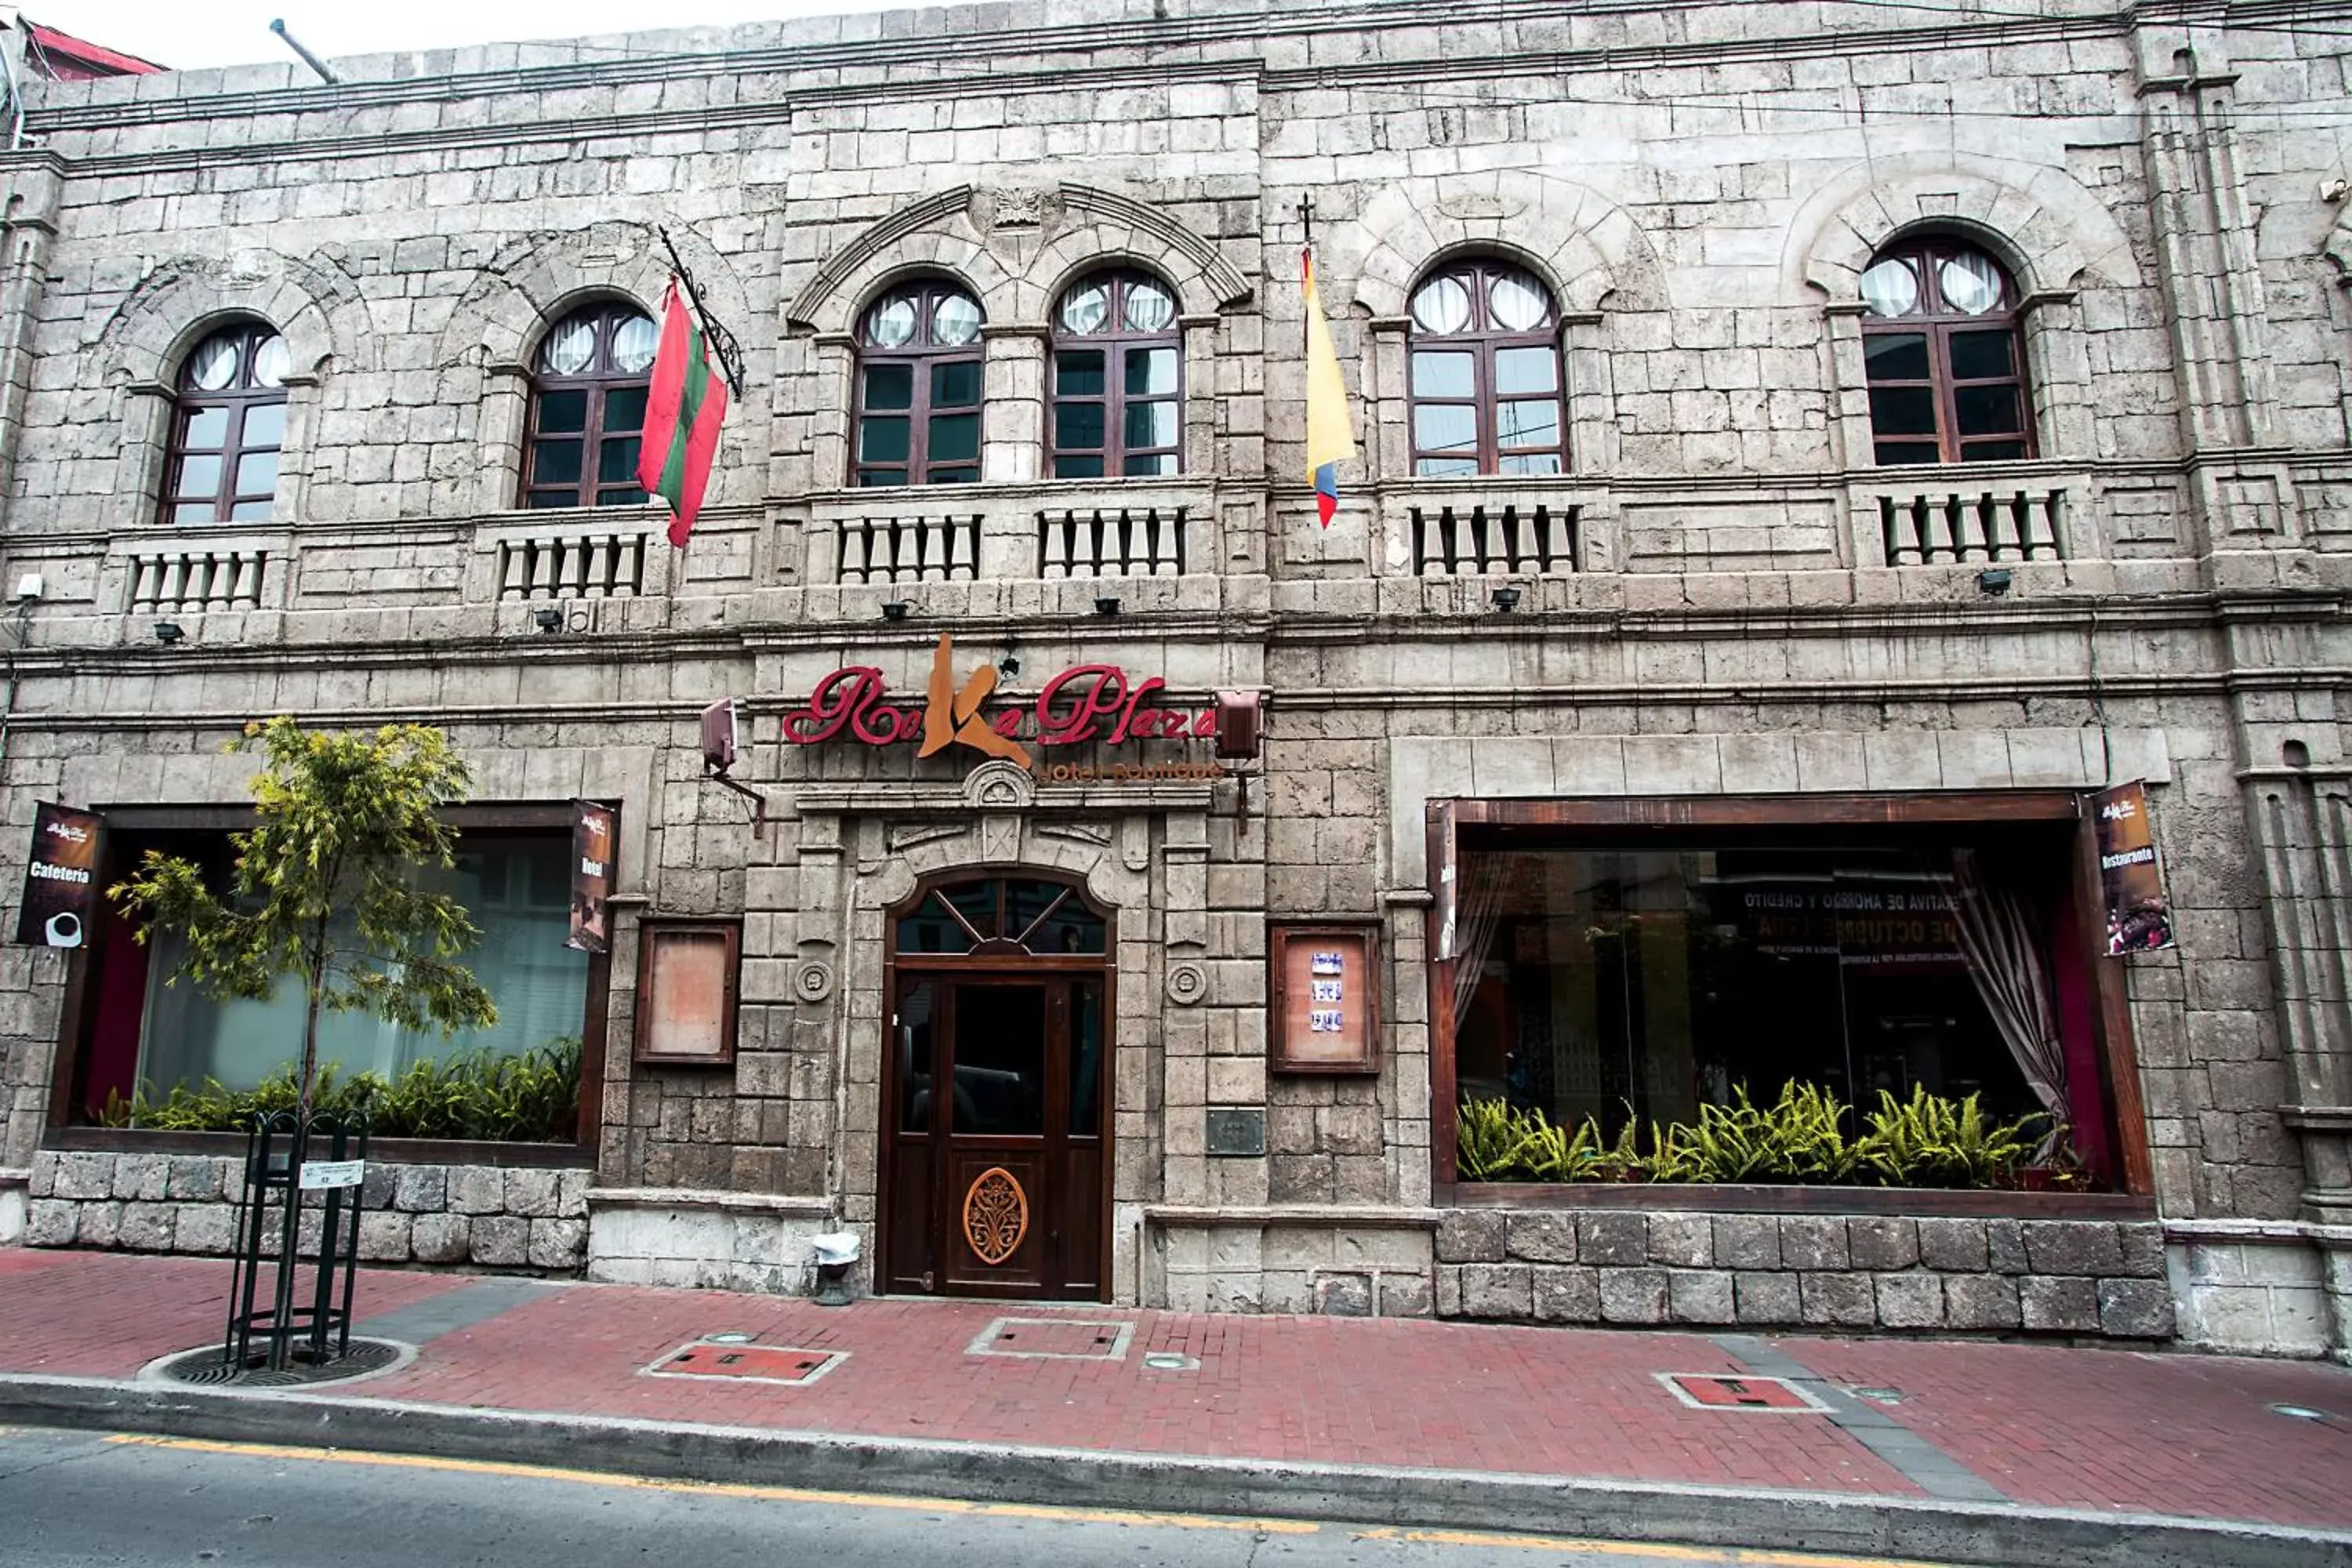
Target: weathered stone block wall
484	1215
2102	1277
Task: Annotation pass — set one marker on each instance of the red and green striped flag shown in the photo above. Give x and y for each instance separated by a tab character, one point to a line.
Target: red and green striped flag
684	406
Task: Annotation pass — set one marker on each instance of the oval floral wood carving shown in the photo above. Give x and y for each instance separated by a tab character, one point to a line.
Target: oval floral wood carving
995	1215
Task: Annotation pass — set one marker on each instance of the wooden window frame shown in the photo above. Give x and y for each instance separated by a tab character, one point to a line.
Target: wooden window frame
1285	1052
79	1013
238	400
923	358
597	382
1483	340
651	929
1114	342
1936	322
2114	1047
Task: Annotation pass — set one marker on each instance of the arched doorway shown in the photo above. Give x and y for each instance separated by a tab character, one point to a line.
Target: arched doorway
996	1092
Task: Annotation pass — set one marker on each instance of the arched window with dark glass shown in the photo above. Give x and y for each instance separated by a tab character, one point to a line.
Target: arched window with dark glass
588	408
1118	400
228	423
1484	374
918	387
1945	356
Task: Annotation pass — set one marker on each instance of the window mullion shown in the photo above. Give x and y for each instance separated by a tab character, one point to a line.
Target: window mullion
232	449
592	434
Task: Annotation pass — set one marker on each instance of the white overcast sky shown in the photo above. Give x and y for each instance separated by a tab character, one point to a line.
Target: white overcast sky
192	33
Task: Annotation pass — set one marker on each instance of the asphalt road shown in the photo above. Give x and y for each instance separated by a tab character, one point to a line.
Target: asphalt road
73	1500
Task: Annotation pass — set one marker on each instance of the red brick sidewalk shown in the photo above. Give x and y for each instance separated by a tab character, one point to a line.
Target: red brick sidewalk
2098	1429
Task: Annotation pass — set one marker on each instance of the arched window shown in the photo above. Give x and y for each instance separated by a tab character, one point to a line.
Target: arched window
918	387
1485	374
588	408
1946	360
1118	403
228	422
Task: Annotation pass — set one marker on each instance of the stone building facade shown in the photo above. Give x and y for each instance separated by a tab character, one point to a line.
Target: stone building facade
1703	607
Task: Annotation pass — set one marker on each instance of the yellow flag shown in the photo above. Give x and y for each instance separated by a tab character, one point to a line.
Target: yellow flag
1330	434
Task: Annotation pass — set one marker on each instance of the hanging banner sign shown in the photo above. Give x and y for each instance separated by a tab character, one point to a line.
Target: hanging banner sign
592	877
1087	702
2139	916
60	908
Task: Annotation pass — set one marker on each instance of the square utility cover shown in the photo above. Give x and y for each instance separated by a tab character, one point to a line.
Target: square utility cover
749	1364
1739	1391
1063	1339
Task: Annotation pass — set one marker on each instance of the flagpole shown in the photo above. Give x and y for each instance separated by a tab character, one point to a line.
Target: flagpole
721	341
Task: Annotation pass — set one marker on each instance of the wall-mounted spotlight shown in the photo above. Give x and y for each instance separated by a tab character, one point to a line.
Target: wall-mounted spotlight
168	632
1105	606
548	620
1505	597
1994	580
896	610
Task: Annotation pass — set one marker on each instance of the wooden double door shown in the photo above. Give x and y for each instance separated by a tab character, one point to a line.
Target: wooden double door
995	1141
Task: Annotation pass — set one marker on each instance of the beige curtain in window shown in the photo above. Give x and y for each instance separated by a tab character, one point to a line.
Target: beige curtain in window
1478	914
2004	950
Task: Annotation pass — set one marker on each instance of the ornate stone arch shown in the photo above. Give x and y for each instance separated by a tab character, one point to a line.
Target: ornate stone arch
1585	248
1103	228
530	283
2051	231
936	234
2053	235
315	308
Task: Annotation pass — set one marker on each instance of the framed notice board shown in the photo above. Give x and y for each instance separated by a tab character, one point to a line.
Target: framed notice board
685	991
1326	991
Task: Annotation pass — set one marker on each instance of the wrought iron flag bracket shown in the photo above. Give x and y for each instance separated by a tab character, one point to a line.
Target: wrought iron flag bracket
723	341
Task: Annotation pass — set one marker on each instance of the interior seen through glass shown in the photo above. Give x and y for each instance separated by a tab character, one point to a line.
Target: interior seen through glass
1650	981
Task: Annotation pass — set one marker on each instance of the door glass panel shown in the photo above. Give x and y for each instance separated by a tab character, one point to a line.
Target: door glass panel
931	928
257	473
199	476
1000	1062
955	438
265	426
890	385
1530	422
1442	375
1025	902
1986	410
1446	427
1527	463
1151	463
1526	370
1085	1058
882	438
625	409
913	1040
1893	452
1078	425
1080	467
555	463
1078	373
1151	373
955	384
976	902
562	411
1150	424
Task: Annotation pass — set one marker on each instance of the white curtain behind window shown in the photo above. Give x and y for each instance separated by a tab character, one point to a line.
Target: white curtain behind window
2004	950
1479	914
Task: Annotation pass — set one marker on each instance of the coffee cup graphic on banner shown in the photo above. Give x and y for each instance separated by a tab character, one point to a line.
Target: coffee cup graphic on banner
60	877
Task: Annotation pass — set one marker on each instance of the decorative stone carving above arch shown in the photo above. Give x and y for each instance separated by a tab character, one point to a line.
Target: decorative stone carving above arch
936	233
315	308
531	281
2050	230
1585	248
1103	228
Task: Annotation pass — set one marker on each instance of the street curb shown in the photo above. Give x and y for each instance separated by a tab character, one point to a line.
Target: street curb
1992	1535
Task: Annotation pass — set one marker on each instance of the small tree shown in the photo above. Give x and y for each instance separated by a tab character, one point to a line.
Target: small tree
324	887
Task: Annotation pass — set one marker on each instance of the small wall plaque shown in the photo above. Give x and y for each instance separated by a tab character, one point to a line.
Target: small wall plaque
1236	1134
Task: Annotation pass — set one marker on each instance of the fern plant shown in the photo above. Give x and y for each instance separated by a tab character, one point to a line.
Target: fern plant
1930	1140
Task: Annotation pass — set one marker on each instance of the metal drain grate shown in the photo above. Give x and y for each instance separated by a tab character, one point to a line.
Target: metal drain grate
1739	1391
733	1358
1055	1338
204	1368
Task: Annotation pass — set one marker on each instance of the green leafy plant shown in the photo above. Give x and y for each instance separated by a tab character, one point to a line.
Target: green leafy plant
325	887
1930	1140
533	1098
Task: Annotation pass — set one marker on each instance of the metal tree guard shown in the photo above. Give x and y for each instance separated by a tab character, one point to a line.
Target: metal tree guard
277	1148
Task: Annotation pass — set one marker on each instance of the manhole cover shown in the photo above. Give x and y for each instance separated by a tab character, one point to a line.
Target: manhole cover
1730	1391
205	1367
747	1362
1062	1338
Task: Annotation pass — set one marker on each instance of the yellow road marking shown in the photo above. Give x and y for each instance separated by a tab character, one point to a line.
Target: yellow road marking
1731	1557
